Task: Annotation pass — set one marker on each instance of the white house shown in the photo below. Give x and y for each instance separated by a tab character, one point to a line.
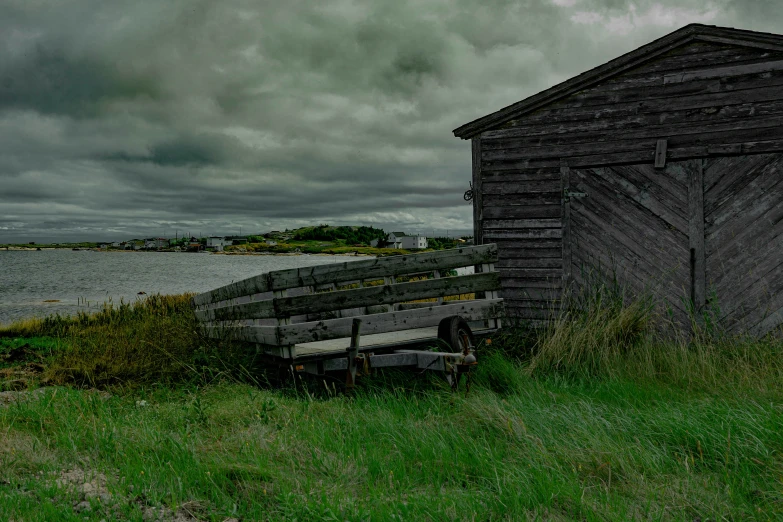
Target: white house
217	243
403	240
270	242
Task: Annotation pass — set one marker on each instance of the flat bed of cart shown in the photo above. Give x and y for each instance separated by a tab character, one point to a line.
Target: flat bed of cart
365	314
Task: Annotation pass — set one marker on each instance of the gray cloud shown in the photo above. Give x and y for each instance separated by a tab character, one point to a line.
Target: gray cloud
122	120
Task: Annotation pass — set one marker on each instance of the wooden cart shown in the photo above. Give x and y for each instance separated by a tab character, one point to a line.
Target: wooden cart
359	315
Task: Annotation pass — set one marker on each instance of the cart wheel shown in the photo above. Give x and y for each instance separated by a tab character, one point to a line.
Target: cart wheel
455	333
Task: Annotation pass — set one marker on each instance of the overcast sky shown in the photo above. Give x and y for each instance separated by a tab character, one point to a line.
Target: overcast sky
131	119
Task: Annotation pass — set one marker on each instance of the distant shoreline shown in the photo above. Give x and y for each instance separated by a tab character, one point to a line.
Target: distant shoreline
40	249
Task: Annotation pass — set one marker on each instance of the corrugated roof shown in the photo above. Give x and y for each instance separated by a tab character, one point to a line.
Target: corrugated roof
678	38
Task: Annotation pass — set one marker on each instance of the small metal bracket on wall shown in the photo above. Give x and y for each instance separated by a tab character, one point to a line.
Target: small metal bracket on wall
568	194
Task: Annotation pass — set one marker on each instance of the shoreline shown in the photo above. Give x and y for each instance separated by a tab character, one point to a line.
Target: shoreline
41	249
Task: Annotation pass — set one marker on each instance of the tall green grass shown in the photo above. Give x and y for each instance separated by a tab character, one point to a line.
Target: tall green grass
152	341
599	415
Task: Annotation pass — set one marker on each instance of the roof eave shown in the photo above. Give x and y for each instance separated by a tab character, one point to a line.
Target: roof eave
618	65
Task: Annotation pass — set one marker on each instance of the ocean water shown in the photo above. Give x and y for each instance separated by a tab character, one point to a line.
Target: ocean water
84	280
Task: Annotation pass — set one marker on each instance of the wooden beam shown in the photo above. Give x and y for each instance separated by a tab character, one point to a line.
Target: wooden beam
660	153
723	72
477	192
343	299
372	324
565	184
367	269
696	234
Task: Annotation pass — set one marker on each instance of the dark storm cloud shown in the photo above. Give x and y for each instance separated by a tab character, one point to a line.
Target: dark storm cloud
47	81
126	119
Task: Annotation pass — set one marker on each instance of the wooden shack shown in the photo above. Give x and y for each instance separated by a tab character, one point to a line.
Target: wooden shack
665	164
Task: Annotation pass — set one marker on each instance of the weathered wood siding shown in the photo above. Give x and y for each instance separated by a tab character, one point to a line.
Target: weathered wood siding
705	99
743	208
633	227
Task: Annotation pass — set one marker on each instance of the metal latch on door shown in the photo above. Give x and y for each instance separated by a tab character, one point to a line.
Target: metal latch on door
568	194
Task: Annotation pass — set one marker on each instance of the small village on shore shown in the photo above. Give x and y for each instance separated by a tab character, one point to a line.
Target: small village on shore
322	239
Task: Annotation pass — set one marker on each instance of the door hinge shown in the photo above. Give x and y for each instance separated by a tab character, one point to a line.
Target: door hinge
568	194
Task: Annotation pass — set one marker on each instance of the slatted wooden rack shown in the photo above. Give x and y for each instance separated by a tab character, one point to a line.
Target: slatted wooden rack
306	316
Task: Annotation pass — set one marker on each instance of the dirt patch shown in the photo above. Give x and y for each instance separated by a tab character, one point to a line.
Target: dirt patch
92	493
13	396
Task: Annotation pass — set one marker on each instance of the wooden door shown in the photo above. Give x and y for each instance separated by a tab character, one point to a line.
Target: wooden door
743	211
632	223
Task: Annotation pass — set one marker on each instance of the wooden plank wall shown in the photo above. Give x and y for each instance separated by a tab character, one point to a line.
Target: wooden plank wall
743	198
705	99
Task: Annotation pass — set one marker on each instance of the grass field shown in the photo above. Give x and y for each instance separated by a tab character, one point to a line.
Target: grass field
597	417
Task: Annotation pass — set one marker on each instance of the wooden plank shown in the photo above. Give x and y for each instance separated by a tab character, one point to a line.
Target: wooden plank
656	105
748	176
651	86
388	322
719	181
514	159
599	253
377	268
639	125
605	200
689	59
531	262
521	212
542	295
717	122
344	299
368	269
751	307
522	200
478	192
521	187
696	234
253	285
659	194
521	175
730	264
654	247
771	319
748	206
744	294
660	154
521	278
521	223
594	240
506	247
565	185
530	233
529	253
765	42
524	310
723	72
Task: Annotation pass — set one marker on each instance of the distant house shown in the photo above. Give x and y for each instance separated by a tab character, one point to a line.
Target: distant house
194	245
116	244
156	243
403	240
217	243
270	242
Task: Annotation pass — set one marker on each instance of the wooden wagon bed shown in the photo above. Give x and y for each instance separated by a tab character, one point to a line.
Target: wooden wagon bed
310	317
